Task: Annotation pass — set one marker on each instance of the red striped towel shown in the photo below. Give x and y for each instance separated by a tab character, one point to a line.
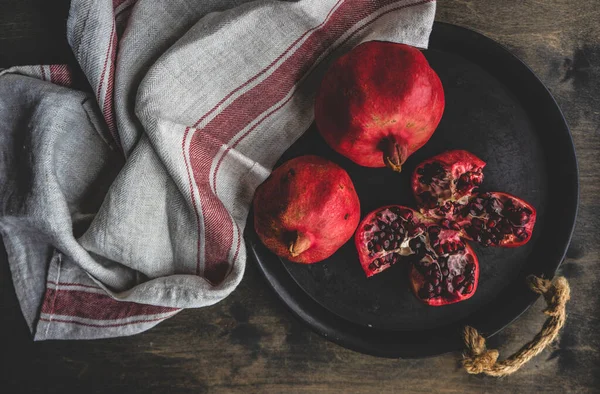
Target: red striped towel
124	204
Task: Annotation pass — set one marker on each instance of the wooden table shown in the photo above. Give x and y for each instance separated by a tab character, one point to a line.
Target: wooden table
250	343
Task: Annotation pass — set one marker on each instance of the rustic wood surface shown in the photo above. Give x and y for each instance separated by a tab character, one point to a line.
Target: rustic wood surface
250	343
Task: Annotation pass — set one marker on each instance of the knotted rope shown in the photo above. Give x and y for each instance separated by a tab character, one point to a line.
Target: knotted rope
477	359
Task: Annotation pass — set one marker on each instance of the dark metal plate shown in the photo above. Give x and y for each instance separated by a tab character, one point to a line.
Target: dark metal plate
496	108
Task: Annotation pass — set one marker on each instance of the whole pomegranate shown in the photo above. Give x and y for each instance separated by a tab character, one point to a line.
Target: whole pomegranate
306	209
379	103
445	188
444	269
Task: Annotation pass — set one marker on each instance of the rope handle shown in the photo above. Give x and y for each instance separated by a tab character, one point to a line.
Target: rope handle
477	359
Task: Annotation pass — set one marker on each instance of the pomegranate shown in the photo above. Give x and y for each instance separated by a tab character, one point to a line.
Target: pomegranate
446	181
497	219
444	269
306	209
445	188
379	103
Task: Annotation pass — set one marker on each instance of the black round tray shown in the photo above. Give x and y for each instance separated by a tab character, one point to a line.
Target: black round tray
496	108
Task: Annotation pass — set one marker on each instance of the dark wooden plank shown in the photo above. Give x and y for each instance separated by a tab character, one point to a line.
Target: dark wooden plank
250	343
32	32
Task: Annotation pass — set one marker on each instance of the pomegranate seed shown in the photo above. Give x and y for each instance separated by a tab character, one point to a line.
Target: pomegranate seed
386	244
522	234
391	237
381	225
433	273
395	225
477	223
445	272
439	249
372	267
469	287
381	235
470	267
377	248
434	230
438	290
447	247
377	262
406	215
491	224
454	226
370	245
445	223
368	227
458	280
522	218
460	289
436	282
395	245
448	286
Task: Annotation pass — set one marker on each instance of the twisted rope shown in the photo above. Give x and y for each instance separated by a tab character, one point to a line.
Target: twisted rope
478	359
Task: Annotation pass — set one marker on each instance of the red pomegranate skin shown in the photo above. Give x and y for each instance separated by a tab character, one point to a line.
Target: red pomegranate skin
306	209
379	103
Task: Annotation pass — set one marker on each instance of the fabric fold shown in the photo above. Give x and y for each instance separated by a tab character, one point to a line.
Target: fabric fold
124	204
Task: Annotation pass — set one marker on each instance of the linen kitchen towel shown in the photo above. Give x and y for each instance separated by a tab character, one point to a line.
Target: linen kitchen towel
124	193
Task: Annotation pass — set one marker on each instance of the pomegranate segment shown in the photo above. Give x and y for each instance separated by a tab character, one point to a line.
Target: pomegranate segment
444	269
445	182
447	278
445	188
306	210
385	235
498	219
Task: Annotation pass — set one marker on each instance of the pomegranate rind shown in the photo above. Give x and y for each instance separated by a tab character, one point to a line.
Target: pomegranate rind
309	201
379	103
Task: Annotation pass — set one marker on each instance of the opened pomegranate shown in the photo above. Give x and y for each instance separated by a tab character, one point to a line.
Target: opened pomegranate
446	182
445	188
306	210
379	103
497	219
444	269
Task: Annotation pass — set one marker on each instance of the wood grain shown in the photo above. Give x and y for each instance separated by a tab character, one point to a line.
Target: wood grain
250	343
